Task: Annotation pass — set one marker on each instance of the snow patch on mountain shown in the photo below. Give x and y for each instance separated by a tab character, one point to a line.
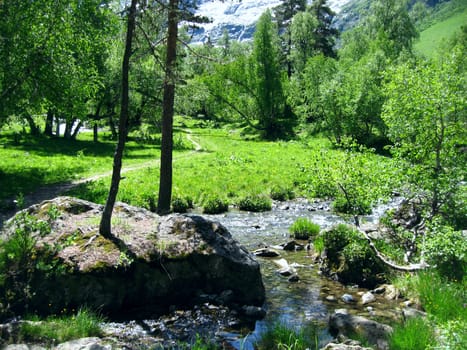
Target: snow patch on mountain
238	17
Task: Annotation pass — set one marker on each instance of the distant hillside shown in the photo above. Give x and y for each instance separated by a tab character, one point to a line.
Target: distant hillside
432	37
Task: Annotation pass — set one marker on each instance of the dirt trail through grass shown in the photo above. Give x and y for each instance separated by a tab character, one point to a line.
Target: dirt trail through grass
51	191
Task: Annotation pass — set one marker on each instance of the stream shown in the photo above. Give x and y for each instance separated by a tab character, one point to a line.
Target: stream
296	304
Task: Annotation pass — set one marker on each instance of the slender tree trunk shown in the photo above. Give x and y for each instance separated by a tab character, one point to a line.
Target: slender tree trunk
32	125
113	131
68	126
165	183
57	126
105	224
95	129
76	131
49	123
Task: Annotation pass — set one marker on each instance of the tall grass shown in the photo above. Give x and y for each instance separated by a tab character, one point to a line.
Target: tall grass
282	337
415	334
61	329
445	303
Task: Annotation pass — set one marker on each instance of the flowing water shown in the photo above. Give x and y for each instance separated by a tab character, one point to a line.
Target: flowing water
302	302
296	304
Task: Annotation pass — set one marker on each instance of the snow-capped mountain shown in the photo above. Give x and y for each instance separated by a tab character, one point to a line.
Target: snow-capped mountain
238	17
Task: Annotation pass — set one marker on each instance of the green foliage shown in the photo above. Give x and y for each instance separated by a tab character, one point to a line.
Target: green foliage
414	334
181	204
441	298
446	249
318	244
61	329
425	115
281	193
283	337
452	334
336	238
303	228
361	264
215	205
357	207
19	259
255	203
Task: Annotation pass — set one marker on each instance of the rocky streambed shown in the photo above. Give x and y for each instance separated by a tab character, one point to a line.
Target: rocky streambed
231	310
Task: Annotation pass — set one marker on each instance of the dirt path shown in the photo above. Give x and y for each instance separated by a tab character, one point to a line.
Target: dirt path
51	191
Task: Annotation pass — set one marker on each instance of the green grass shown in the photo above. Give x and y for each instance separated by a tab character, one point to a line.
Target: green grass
432	37
445	304
58	329
303	228
233	168
414	334
282	337
39	161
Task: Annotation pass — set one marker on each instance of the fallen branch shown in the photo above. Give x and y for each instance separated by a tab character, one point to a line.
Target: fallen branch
407	268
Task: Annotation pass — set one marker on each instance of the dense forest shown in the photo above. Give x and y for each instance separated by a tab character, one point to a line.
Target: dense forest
354	112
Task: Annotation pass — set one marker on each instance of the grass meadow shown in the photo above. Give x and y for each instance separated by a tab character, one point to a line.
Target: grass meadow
433	37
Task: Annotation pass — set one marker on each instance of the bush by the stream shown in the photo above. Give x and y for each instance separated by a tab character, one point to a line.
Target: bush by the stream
215	205
281	193
446	249
303	228
281	337
255	203
349	256
359	206
181	204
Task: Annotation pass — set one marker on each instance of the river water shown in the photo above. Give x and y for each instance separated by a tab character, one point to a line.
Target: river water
302	302
295	304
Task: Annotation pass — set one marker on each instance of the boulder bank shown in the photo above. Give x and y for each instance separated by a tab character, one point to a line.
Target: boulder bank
151	263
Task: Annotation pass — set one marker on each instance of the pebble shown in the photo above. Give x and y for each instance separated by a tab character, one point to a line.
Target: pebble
347	298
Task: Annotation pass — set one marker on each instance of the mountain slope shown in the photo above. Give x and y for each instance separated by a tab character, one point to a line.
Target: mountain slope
238	17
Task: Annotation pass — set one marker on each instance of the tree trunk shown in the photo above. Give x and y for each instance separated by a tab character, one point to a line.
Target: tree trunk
95	129
57	126
68	126
165	183
76	131
105	224
49	123
113	131
32	125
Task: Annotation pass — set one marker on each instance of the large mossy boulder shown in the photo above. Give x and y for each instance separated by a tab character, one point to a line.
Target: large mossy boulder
152	263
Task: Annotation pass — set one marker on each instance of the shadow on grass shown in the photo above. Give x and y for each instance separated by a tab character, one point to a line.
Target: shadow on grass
45	146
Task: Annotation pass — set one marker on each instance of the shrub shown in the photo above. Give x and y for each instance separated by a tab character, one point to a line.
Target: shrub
256	203
361	265
64	328
18	262
279	193
303	228
358	207
337	238
318	244
215	205
414	334
181	204
446	249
